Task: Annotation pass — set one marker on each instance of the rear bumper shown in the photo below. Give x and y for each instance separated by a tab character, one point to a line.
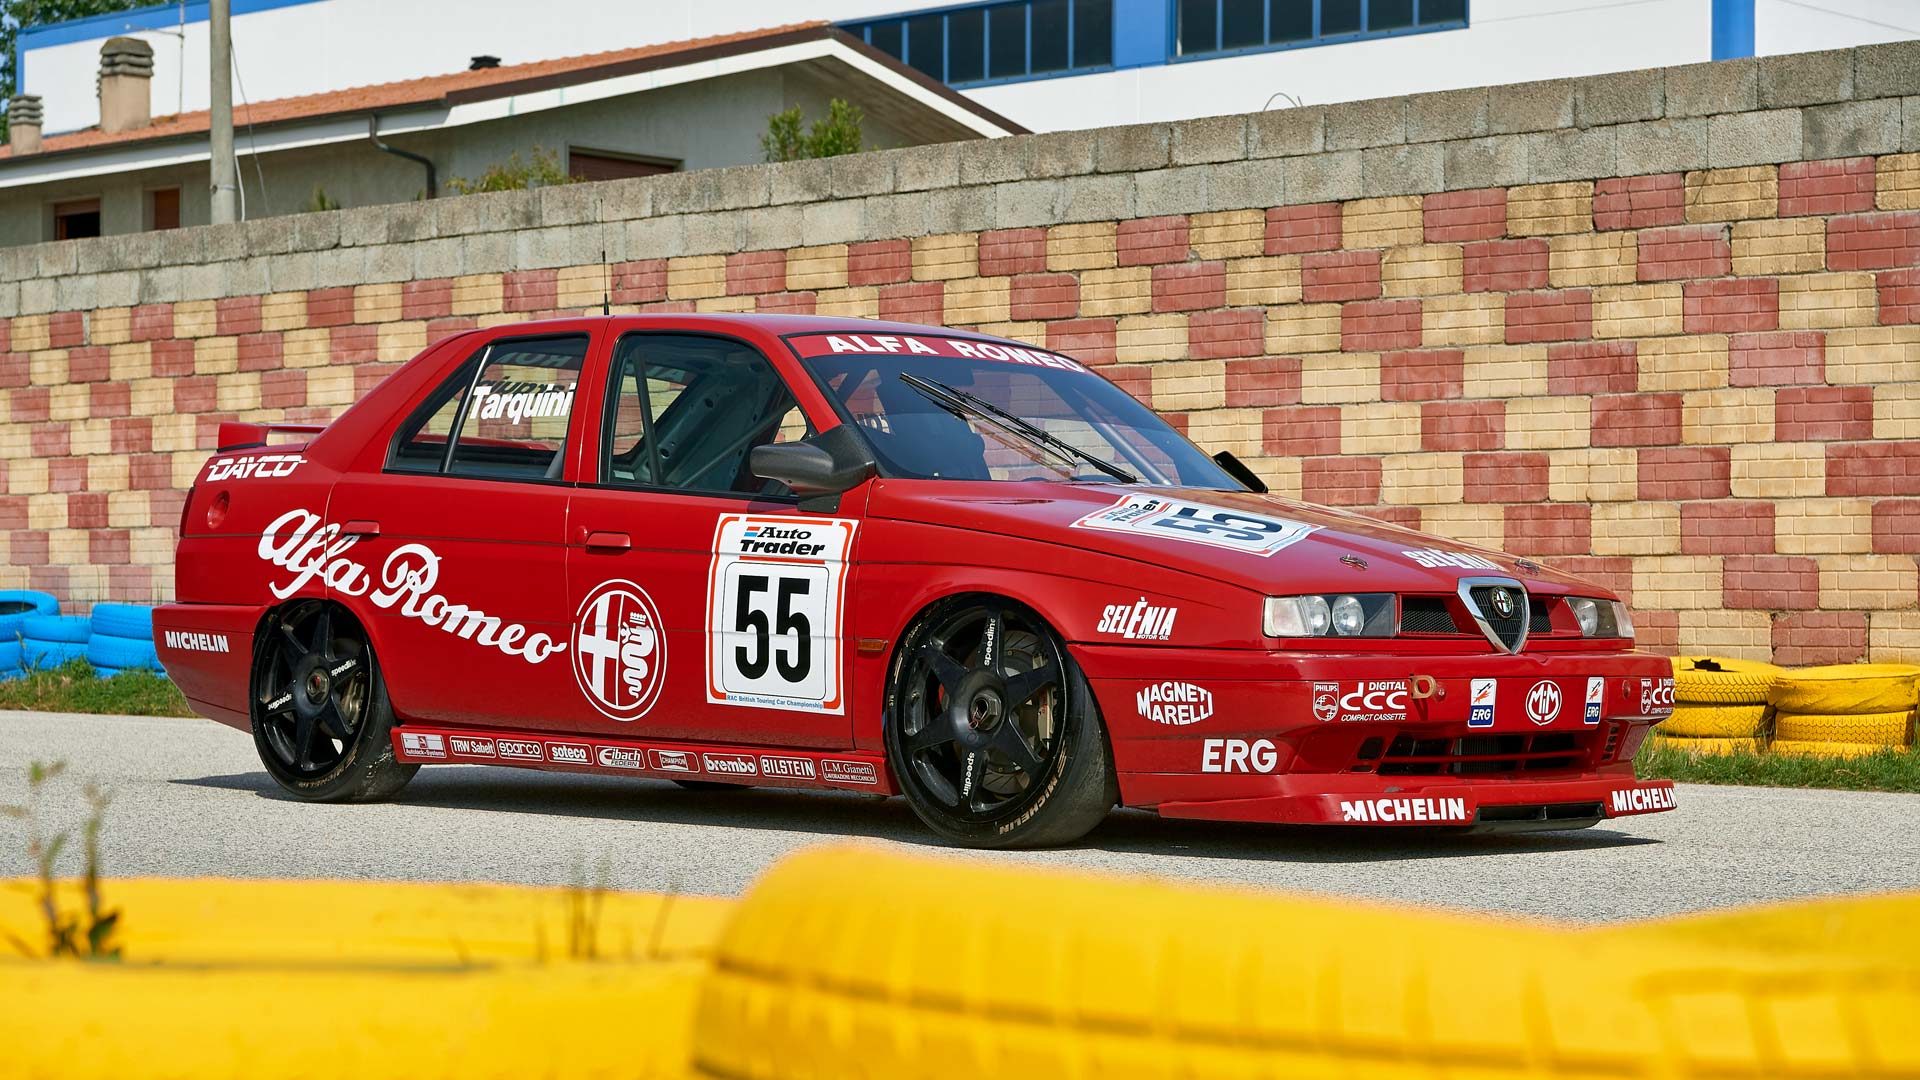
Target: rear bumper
207	650
1380	801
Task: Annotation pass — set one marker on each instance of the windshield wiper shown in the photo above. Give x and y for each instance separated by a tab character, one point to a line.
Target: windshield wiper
955	399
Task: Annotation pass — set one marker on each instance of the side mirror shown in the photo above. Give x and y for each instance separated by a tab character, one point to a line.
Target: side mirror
819	469
1239	471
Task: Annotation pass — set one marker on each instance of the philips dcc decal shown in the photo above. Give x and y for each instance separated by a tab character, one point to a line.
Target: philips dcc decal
775	603
1198	523
619	650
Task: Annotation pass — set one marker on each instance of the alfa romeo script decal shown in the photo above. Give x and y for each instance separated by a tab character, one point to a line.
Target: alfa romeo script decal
774	610
1197	523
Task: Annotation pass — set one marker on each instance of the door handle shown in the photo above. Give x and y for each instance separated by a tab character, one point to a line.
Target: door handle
608	541
360	528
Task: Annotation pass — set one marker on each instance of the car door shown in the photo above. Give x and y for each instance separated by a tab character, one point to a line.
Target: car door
462	535
708	606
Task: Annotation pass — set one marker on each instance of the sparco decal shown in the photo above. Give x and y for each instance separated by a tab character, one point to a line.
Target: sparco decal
1197	523
1543	703
194	641
774	612
796	767
619	650
1394	811
1175	703
620	757
1138	621
1641	800
467	746
297	541
1480	702
567	753
1378	701
253	466
673	761
1238	755
849	772
423	744
519	749
1434	558
730	764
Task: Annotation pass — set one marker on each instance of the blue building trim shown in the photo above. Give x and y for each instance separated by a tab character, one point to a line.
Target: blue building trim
1142	32
1732	29
157	17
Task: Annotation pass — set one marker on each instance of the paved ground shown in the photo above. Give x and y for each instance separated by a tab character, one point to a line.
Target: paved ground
189	798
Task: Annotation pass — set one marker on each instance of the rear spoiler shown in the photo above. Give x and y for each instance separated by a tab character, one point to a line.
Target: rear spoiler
240	435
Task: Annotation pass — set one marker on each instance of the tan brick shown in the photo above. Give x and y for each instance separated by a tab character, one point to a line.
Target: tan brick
1822	526
1593	474
47	511
88	437
1733	194
1338	378
47	368
1779	471
1033	333
306	348
106	326
1505	371
1636	528
1381	427
237	390
110	473
696	277
1896	411
1467	319
151	397
1239	431
1262	281
1676	582
172	433
1873	354
579	287
1421	479
30	333
1477	524
1729	416
1087	246
396	341
1782	246
130	361
1683	363
1296	328
813	268
977	300
724	304
856	302
1828	301
153	545
946	256
1185	385
1548	209
330	386
1549	423
1425	270
283	311
27	476
478	294
1395	221
1607	258
1281	474
1126	291
376	303
1871	582
68	547
1228	234
71	402
1741	635
1896	182
1624	311
129	509
1146	338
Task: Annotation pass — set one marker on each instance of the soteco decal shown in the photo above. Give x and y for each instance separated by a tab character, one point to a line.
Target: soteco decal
1400	811
1596	697
1138	621
679	761
1642	800
620	757
194	641
1434	559
1376	701
619	650
1197	523
1480	702
519	750
467	746
730	764
1543	703
253	467
1175	703
1238	756
318	553
423	744
810	345
567	753
775	607
798	768
849	772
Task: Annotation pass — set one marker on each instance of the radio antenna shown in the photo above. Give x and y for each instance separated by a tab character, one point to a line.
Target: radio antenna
606	271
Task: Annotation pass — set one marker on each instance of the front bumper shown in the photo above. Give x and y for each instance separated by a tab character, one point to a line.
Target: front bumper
1377	801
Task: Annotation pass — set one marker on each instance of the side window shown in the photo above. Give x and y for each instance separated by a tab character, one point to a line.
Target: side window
503	414
686	412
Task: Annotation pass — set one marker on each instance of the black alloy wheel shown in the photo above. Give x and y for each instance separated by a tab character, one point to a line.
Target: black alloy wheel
321	720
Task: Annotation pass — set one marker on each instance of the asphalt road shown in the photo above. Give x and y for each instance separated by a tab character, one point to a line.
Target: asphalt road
190	799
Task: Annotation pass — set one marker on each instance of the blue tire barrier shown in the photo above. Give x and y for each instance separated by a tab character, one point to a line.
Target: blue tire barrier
105	672
67	629
9	674
42	655
9	655
27	602
123	621
117	652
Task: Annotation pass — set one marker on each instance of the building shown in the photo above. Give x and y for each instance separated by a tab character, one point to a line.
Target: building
653	108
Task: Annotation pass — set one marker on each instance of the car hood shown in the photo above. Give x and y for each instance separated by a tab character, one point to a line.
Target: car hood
1322	549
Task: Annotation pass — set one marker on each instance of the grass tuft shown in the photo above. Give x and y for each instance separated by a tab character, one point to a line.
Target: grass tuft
72	687
1890	769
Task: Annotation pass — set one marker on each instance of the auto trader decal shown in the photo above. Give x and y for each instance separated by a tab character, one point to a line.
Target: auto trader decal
619	650
1198	523
316	552
775	605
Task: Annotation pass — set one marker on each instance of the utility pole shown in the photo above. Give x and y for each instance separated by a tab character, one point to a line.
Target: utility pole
220	27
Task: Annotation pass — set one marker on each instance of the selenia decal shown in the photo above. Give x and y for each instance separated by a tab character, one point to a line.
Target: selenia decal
619	650
775	604
1198	523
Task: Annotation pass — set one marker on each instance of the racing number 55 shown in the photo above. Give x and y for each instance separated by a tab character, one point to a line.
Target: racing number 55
751	659
774	608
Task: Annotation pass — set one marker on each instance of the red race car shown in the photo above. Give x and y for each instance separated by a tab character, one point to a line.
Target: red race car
836	553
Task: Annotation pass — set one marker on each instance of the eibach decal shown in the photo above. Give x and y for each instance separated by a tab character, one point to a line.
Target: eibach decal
775	608
1197	523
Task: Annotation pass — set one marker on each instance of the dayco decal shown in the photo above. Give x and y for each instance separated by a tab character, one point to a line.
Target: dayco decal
466	746
1138	621
1238	755
567	753
318	552
1389	811
1375	702
619	757
255	466
193	641
1641	800
619	652
1176	703
519	749
517	401
1434	558
730	764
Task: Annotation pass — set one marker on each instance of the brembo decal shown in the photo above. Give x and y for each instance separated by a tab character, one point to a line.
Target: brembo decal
297	541
1197	523
775	608
619	650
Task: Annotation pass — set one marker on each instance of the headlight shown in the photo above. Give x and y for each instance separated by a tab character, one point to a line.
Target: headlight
1601	618
1348	618
1588	613
1346	615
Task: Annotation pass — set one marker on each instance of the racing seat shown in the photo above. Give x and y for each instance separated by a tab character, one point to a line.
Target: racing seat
922	439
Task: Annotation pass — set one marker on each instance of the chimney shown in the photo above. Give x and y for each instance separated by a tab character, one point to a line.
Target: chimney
126	75
23	124
483	63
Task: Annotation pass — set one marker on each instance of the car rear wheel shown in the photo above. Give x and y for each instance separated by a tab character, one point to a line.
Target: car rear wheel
993	731
321	720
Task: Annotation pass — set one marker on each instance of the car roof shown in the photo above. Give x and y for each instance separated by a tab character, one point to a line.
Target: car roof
776	324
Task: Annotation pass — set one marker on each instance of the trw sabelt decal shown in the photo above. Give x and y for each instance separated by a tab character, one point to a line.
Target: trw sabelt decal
776	604
1197	523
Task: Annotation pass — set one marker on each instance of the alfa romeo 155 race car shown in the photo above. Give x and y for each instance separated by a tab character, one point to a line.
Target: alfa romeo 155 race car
833	553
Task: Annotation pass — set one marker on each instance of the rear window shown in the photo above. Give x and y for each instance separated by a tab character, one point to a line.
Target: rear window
504	414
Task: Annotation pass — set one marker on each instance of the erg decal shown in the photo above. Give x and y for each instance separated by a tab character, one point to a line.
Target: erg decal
1596	697
1480	702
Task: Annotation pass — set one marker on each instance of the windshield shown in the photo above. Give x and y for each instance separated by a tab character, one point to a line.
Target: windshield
951	433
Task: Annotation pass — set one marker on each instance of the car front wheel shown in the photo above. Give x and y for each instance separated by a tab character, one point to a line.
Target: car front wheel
321	720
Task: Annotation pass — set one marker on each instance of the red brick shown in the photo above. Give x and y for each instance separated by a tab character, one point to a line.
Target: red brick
369	375
1731	305
193	394
1407	517
238	315
879	262
1726	527
1614	573
1044	296
1148	241
1899	296
1684	252
640	282
1597	367
1778	359
30	547
108	547
66	329
1339	275
750	273
1301	431
1876	468
16	370
1823	413
1295	229
133	434
353	344
530	290
1455	216
172	358
1813	638
31	405
50	440
1137	381
261	352
13	512
109	399
920	302
165	504
1378	325
330	307
429	298
1341	481
149	472
151	322
1549	529
130	584
1770	583
87	510
206	431
1820	188
1636	420
442	328
1504	265
1006	252
1463	425
1220	335
286	389
66	475
1873	241
669	307
1189	286
1896	527
88	364
6	335
1433	375
50	579
787	303
1090	341
1549	316
1639	202
1671	473
1263	381
1504	477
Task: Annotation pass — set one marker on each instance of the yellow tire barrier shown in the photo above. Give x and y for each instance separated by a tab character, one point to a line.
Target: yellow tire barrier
1812	748
1715	721
1715	680
1714	746
1871	729
1848	689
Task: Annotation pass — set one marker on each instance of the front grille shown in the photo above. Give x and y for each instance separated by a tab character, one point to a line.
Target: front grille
1483	755
1426	615
1508	629
1539	620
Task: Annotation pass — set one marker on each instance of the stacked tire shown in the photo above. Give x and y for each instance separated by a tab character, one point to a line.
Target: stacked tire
1845	710
121	639
1720	705
47	641
16	606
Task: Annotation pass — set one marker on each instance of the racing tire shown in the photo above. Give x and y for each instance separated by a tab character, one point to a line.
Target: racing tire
66	629
104	672
1810	748
38	655
321	719
1714	680
119	652
1848	689
123	621
1866	729
15	602
9	655
993	731
1711	747
1715	722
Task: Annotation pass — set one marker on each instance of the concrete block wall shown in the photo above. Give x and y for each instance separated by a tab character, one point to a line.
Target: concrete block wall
1661	328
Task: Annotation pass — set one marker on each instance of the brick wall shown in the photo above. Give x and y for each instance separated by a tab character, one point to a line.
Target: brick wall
1661	328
